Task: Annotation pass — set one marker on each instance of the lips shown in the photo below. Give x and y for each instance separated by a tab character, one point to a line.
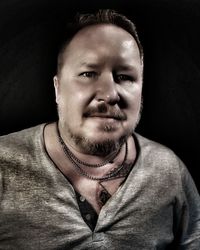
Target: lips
107	116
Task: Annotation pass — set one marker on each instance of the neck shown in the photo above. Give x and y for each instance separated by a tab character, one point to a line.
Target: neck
53	147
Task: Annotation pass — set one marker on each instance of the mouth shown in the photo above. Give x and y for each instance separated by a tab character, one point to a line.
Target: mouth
105	112
106	117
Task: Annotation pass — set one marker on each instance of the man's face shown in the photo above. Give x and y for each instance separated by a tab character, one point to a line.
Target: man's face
98	91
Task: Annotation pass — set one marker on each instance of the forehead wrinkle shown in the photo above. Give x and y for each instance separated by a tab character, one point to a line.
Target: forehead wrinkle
120	62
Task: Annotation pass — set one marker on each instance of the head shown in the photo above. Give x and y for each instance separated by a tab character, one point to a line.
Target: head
98	84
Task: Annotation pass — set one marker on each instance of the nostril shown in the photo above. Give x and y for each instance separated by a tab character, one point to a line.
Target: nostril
101	99
110	99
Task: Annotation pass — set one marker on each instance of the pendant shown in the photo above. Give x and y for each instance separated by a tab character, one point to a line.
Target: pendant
104	196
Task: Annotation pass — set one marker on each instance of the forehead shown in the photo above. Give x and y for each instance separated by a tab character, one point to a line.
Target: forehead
102	41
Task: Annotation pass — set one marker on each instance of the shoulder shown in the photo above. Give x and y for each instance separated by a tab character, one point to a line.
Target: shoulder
150	149
160	161
20	142
162	166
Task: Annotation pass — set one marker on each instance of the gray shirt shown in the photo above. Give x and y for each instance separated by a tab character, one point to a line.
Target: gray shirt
158	205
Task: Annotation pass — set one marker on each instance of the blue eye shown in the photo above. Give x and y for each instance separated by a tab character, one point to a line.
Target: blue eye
123	78
88	74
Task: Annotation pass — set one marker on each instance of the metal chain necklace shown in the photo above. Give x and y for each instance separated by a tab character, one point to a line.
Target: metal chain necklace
84	173
110	158
95	178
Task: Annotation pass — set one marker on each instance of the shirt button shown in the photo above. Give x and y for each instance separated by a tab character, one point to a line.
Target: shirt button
82	198
88	217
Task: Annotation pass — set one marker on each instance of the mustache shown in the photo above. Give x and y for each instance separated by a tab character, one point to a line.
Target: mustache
104	110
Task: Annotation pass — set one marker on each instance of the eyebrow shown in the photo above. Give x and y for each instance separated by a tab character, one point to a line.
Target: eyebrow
125	67
89	65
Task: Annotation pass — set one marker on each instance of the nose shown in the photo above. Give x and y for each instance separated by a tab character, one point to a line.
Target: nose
107	90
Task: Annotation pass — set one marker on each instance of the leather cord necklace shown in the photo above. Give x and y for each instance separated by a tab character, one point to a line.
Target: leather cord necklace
76	163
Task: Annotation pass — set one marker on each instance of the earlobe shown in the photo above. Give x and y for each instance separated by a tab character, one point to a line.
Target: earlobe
56	87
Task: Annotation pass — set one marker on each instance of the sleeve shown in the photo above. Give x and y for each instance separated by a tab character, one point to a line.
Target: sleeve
190	213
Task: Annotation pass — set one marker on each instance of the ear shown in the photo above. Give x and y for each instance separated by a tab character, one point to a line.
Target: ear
56	87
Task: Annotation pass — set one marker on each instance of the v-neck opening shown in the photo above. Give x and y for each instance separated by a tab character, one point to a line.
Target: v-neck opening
74	192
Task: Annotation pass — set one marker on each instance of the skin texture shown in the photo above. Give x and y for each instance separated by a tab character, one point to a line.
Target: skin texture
98	91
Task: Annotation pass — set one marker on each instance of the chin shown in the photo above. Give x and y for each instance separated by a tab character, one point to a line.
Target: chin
97	143
103	146
103	142
98	140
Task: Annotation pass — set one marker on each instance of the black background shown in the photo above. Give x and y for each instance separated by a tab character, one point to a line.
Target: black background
30	31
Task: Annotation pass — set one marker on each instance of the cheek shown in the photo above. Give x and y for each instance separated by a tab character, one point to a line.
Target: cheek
72	104
74	90
133	98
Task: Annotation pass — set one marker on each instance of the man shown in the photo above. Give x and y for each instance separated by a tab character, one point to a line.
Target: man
89	181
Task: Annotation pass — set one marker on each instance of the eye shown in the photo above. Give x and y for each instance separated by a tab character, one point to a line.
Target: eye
88	74
123	78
